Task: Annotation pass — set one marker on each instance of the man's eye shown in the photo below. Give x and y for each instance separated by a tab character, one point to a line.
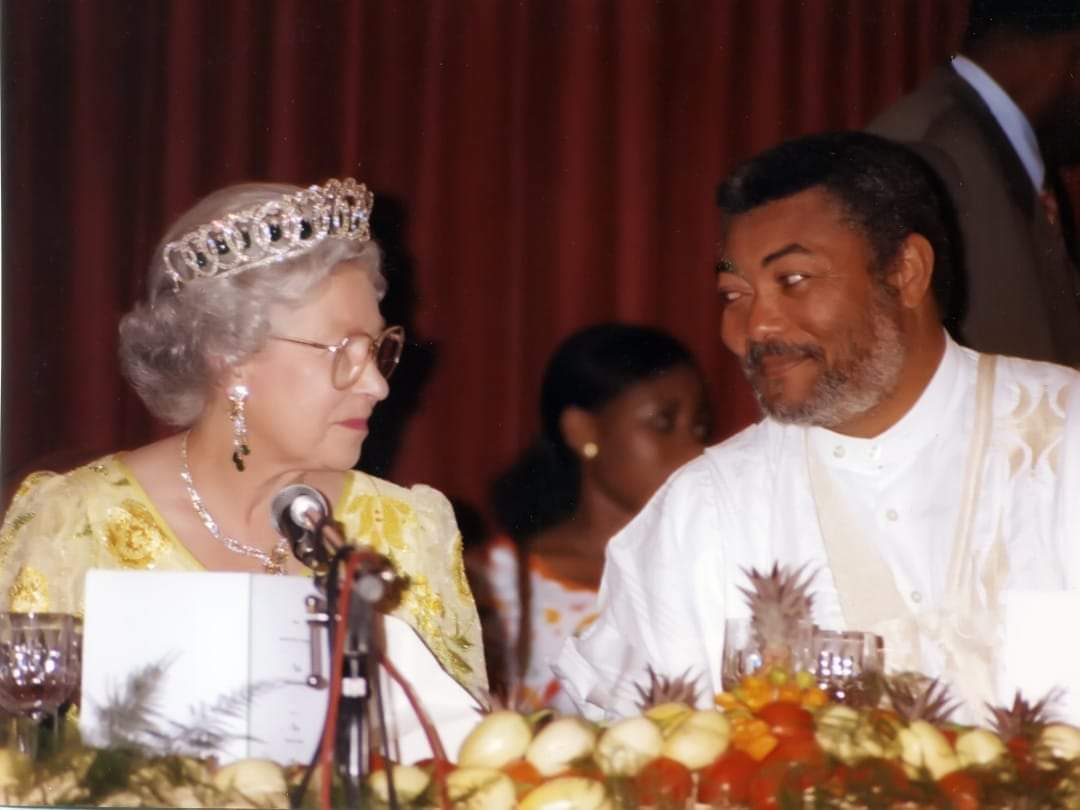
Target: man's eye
791	279
727	296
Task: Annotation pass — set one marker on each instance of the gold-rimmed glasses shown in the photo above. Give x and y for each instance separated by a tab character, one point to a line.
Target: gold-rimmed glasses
353	353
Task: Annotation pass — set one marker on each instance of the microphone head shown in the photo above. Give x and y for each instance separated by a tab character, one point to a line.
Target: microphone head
297	509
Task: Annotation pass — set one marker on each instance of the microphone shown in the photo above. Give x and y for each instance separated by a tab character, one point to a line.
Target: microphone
298	513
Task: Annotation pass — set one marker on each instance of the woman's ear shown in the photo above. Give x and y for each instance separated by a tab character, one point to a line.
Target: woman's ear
912	271
579	430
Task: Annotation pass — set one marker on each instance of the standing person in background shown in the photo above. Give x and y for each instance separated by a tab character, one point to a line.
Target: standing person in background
621	407
997	123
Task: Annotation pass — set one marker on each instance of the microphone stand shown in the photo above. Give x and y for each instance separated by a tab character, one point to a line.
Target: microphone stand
360	683
360	719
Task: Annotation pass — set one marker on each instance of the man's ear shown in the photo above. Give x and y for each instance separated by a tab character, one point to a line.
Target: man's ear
912	271
578	428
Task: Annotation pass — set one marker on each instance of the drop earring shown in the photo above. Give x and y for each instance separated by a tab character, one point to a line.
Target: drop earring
238	395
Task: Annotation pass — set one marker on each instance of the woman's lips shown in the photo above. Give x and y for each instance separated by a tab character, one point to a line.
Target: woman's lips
354	424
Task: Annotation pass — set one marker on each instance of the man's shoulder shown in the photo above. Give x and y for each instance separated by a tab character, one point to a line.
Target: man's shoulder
1025	368
938	102
1060	382
754	447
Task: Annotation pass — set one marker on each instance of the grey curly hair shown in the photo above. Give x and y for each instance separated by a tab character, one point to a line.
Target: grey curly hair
175	345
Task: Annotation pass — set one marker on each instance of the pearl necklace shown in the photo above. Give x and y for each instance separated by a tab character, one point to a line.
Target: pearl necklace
273	563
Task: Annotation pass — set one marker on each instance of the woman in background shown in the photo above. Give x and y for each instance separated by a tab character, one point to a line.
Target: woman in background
621	407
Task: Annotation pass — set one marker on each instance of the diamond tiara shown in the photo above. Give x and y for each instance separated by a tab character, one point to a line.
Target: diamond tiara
271	232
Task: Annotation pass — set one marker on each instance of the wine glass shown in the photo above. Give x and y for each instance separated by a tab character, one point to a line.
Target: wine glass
849	665
38	669
744	655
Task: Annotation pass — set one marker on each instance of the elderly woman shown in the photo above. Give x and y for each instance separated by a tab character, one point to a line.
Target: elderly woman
261	340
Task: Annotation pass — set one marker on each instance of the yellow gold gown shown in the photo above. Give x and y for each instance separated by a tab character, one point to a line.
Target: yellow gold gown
98	516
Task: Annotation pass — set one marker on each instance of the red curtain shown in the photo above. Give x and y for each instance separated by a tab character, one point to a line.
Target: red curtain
539	165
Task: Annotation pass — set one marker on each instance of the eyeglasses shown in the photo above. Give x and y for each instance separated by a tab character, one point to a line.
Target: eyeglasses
353	353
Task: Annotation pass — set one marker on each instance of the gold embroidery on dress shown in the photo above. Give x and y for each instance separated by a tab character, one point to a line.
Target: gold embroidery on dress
29	593
382	521
429	604
428	610
133	536
12	529
30	482
461	581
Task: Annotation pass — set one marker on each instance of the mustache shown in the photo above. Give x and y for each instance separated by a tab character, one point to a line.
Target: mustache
756	351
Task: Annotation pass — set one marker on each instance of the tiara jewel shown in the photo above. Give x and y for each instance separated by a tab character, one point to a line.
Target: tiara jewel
271	231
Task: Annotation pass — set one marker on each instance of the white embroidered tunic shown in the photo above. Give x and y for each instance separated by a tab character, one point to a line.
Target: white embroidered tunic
892	505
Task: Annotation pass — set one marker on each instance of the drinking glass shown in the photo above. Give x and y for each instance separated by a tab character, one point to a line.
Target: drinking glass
849	665
39	670
743	654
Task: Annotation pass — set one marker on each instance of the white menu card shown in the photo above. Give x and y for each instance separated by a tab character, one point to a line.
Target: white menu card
233	654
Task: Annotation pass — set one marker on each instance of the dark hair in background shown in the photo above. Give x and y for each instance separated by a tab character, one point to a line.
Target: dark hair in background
886	190
588	369
1020	17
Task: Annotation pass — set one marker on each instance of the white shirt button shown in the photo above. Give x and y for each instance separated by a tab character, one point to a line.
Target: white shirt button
838	451
892	514
916	597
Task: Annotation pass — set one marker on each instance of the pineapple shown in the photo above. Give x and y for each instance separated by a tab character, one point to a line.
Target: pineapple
916	697
1020	724
692	737
923	704
667	701
780	608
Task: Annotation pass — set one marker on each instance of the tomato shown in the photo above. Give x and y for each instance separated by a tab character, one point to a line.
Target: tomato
962	790
787	719
664	781
801	751
727	779
523	773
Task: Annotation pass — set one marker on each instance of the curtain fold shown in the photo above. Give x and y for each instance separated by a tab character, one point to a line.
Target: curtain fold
539	165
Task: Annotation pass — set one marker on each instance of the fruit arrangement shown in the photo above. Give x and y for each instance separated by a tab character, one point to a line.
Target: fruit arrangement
775	739
790	753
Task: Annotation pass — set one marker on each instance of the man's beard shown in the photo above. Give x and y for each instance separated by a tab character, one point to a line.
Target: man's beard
860	381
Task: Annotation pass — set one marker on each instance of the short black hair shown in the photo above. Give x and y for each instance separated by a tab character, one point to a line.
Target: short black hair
885	190
1020	17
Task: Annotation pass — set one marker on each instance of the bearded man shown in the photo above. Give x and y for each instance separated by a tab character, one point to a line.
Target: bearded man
934	490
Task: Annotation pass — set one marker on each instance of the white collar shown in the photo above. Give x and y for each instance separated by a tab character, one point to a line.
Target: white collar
919	426
1009	117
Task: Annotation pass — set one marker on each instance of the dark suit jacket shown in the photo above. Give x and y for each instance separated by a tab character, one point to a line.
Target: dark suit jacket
1021	293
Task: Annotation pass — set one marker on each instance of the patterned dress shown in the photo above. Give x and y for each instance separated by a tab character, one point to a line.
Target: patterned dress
557	610
98	516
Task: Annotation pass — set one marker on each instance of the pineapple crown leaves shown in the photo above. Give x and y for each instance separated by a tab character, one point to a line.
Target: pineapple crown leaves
780	604
916	697
1023	718
662	689
781	586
